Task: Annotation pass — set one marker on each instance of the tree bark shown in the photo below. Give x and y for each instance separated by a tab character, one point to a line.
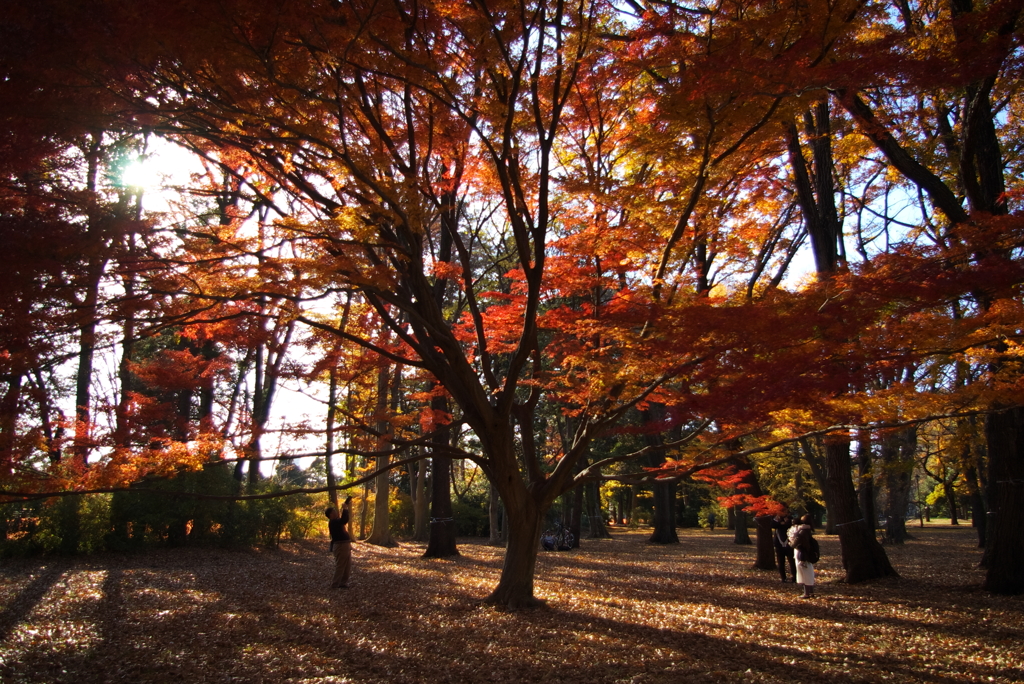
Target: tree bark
664	513
419	482
865	477
515	587
598	530
1004	432
765	543
576	515
897	455
979	512
741	534
332	410
494	516
664	490
380	535
442	543
817	465
863	557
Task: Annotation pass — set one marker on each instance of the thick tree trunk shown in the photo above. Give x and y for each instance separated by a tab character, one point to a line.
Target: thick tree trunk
598	530
1004	432
863	557
664	491
664	514
765	544
515	588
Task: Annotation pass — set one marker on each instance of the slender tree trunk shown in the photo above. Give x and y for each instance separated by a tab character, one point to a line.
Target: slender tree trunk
897	457
865	477
741	533
817	464
949	488
419	482
576	515
442	543
365	511
979	514
494	516
380	535
332	411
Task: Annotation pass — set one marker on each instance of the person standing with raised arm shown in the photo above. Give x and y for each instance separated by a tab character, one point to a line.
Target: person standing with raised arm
341	543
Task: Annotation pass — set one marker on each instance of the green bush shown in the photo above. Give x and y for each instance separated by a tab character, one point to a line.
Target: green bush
471	517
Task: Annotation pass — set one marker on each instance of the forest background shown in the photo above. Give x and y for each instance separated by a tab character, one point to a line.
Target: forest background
535	253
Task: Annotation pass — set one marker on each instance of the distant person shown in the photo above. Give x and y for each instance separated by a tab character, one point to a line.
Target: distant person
711	521
341	543
801	538
783	551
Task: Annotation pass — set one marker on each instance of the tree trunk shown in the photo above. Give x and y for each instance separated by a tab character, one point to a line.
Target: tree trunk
494	516
865	477
742	534
1004	432
863	557
818	472
442	523
380	535
421	500
576	515
765	543
954	517
664	490
664	513
332	410
364	512
593	499
979	516
515	588
897	455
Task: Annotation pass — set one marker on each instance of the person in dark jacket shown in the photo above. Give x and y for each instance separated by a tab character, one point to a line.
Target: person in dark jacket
341	543
800	539
783	551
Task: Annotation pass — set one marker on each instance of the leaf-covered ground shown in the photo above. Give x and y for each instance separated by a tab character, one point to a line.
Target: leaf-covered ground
619	610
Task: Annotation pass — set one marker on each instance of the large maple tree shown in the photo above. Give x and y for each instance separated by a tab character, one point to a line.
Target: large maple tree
589	207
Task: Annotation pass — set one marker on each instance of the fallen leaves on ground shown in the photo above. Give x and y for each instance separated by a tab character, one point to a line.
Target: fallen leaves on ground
618	610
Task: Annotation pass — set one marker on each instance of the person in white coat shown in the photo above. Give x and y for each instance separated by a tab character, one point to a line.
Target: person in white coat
800	539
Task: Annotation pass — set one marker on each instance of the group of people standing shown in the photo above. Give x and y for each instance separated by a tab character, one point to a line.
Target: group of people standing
793	545
793	540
